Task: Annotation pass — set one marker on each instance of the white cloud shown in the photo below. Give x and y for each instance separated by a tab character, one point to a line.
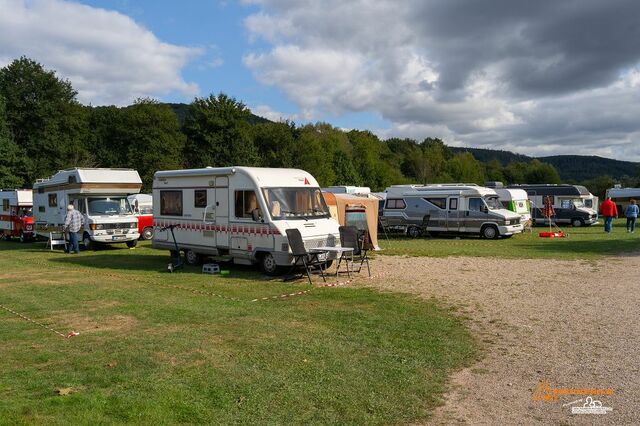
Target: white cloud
538	78
107	56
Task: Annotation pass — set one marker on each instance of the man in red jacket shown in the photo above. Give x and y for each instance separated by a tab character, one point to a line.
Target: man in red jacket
608	209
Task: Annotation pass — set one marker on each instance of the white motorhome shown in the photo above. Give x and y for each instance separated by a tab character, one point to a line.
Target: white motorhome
99	194
449	208
16	218
515	200
360	190
240	212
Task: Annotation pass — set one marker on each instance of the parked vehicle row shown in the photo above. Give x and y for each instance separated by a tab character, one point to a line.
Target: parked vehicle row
16	219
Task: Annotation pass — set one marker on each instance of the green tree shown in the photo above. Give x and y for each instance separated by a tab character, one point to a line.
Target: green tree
13	164
106	139
154	139
218	133
44	117
315	149
275	143
463	167
345	171
539	172
598	186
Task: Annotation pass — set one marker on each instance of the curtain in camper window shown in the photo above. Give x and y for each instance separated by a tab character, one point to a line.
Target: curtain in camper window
245	203
171	203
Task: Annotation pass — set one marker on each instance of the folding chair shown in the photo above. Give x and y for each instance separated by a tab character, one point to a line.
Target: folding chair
300	254
361	246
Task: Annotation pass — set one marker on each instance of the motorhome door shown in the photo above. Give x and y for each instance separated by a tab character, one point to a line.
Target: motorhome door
453	214
222	211
475	215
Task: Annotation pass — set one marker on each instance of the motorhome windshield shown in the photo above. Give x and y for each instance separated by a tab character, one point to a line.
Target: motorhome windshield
295	203
109	206
493	202
578	202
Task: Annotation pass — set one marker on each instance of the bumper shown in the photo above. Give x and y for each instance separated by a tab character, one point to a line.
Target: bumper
510	229
115	238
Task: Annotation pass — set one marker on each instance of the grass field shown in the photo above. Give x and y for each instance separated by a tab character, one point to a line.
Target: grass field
155	354
582	243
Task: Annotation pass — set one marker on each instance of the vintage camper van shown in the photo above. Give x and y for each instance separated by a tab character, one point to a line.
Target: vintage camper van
517	201
16	219
450	208
99	194
142	206
359	190
240	212
568	203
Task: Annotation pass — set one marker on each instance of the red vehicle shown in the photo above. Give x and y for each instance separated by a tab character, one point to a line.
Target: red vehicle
16	218
143	209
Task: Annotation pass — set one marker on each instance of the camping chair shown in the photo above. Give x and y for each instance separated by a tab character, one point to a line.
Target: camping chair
301	257
360	245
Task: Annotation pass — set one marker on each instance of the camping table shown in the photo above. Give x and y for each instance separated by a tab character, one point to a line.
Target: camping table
337	251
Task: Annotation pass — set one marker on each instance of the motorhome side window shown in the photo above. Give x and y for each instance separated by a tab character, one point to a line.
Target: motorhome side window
396	203
5	204
475	204
453	204
440	203
245	203
171	203
565	204
200	198
53	200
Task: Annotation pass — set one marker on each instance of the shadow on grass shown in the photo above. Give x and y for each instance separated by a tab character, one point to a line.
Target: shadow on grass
581	247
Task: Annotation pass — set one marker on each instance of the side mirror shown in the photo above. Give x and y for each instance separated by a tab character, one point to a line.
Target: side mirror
484	209
255	215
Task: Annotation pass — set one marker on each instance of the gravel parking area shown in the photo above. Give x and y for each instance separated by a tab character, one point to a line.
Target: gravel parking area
572	324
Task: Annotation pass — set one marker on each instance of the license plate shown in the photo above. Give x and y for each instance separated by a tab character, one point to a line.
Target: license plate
118	237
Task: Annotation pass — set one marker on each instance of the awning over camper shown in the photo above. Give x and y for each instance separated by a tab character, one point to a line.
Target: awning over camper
339	204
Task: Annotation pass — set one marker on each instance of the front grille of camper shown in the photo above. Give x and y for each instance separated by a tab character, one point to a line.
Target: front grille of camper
312	243
117	226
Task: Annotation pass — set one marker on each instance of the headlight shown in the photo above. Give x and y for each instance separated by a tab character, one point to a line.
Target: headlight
133	225
96	226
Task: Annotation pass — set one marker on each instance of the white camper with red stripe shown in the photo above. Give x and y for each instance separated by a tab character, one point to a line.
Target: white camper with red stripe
241	213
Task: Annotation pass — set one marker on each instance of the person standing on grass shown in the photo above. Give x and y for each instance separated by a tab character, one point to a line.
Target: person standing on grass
608	209
73	222
632	214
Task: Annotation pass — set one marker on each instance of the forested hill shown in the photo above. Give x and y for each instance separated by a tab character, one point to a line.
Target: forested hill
575	168
182	110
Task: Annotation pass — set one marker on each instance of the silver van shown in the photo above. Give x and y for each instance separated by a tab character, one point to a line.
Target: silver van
448	208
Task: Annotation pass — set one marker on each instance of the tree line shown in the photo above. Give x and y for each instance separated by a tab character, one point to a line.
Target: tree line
43	129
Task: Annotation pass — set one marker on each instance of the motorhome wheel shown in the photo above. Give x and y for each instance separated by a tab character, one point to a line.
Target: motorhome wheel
413	231
147	233
132	244
489	232
577	222
268	264
87	243
192	257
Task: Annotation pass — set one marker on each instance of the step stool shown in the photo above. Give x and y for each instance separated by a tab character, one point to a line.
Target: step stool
210	268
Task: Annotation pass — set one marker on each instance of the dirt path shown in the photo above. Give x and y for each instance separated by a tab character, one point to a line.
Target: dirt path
573	324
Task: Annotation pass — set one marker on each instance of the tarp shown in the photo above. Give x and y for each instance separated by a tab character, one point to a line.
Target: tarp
339	204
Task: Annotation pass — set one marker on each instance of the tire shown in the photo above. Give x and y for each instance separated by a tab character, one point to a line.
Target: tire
132	244
268	264
577	222
414	231
87	243
490	232
147	233
192	258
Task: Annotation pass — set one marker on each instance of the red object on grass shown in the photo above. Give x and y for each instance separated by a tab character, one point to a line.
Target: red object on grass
558	234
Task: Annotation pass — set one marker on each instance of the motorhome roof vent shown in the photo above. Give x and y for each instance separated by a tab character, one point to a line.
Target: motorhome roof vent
494	184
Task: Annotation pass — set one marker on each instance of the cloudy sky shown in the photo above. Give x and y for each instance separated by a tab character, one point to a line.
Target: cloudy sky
539	78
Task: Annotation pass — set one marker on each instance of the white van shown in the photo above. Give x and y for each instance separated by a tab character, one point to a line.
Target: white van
99	194
517	201
241	213
448	208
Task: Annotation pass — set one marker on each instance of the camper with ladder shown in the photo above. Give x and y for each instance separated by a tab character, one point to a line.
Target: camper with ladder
16	219
99	194
240	213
